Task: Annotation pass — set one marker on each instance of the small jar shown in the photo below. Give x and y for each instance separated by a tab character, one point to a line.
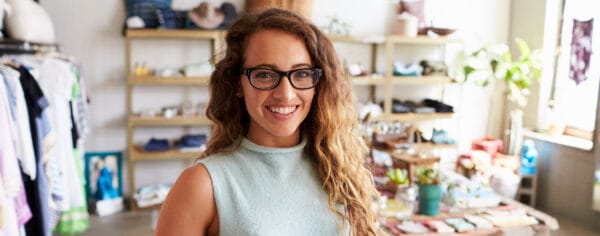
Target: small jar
406	25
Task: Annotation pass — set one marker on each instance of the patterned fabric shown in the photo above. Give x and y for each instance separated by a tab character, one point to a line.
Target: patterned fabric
581	50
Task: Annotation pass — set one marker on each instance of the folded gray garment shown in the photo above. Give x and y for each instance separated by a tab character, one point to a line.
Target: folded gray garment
425	110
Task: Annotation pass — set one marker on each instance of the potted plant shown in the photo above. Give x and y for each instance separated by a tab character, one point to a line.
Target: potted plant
430	190
397	178
495	62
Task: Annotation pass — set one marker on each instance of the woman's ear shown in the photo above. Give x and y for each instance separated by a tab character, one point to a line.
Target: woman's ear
240	91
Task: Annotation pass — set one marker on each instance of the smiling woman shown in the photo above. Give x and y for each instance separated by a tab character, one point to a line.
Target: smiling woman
284	157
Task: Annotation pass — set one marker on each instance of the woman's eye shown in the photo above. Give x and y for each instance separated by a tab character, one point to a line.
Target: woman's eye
263	75
304	73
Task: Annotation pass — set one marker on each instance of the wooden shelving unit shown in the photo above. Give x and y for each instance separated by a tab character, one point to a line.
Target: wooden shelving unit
173	121
368	80
136	152
172	34
420	80
413	117
389	81
422	40
173	80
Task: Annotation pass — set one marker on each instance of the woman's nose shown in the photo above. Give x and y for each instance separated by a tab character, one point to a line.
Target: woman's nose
284	90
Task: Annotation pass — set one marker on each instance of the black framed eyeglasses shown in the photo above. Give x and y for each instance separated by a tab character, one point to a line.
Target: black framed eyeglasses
266	79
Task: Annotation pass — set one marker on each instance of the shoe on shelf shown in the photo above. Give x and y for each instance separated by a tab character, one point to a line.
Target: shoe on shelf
434	68
418	137
441	137
437	105
413	69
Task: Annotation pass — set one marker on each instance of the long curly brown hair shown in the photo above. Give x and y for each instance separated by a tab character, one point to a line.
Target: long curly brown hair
336	150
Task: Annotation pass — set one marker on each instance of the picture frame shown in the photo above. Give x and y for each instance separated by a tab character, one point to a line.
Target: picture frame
94	163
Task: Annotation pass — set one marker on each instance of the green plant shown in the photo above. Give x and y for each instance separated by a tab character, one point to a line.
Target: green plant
496	62
427	176
398	176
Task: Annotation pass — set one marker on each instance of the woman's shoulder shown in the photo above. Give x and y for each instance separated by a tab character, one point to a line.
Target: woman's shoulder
216	159
186	208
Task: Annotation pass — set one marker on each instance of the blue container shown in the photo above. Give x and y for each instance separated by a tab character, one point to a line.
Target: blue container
429	199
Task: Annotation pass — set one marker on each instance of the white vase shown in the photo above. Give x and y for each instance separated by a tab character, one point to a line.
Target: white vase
516	131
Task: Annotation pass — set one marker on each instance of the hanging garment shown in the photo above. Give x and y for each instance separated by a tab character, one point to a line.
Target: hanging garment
57	80
23	144
581	50
36	190
8	218
12	183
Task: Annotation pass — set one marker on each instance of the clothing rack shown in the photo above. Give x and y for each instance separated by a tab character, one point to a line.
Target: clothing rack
14	46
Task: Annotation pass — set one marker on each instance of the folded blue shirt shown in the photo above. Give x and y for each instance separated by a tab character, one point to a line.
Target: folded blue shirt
192	140
155	144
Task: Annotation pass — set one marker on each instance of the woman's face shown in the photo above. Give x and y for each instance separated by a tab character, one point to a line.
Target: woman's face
276	114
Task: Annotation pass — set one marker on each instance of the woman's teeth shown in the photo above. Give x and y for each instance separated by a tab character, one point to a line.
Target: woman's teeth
282	110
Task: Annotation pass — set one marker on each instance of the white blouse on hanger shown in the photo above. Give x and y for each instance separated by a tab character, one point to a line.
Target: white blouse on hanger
21	129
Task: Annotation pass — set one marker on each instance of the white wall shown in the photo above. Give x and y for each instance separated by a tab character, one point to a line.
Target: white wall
91	31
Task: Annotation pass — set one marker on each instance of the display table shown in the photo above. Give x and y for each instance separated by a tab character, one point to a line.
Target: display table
498	225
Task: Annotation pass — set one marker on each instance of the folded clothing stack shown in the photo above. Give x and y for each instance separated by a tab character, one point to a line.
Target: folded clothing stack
188	142
460	224
439	226
156	144
509	218
439	106
151	195
192	142
412	227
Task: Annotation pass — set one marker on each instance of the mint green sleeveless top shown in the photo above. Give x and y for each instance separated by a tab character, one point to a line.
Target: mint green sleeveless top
270	191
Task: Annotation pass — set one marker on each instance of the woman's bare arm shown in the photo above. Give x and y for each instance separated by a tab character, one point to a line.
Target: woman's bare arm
190	206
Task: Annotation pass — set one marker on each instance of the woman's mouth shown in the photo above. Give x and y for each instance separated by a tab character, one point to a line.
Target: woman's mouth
282	110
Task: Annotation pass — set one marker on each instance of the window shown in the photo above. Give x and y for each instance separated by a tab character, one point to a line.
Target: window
577	74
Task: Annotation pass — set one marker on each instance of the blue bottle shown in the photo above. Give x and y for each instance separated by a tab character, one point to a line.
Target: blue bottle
529	157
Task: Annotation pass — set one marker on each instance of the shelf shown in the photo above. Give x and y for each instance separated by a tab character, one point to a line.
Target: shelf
368	80
174	121
564	140
378	39
420	80
405	117
173	34
357	39
423	40
171	80
138	154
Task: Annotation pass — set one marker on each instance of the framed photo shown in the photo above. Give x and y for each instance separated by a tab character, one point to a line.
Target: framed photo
103	175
